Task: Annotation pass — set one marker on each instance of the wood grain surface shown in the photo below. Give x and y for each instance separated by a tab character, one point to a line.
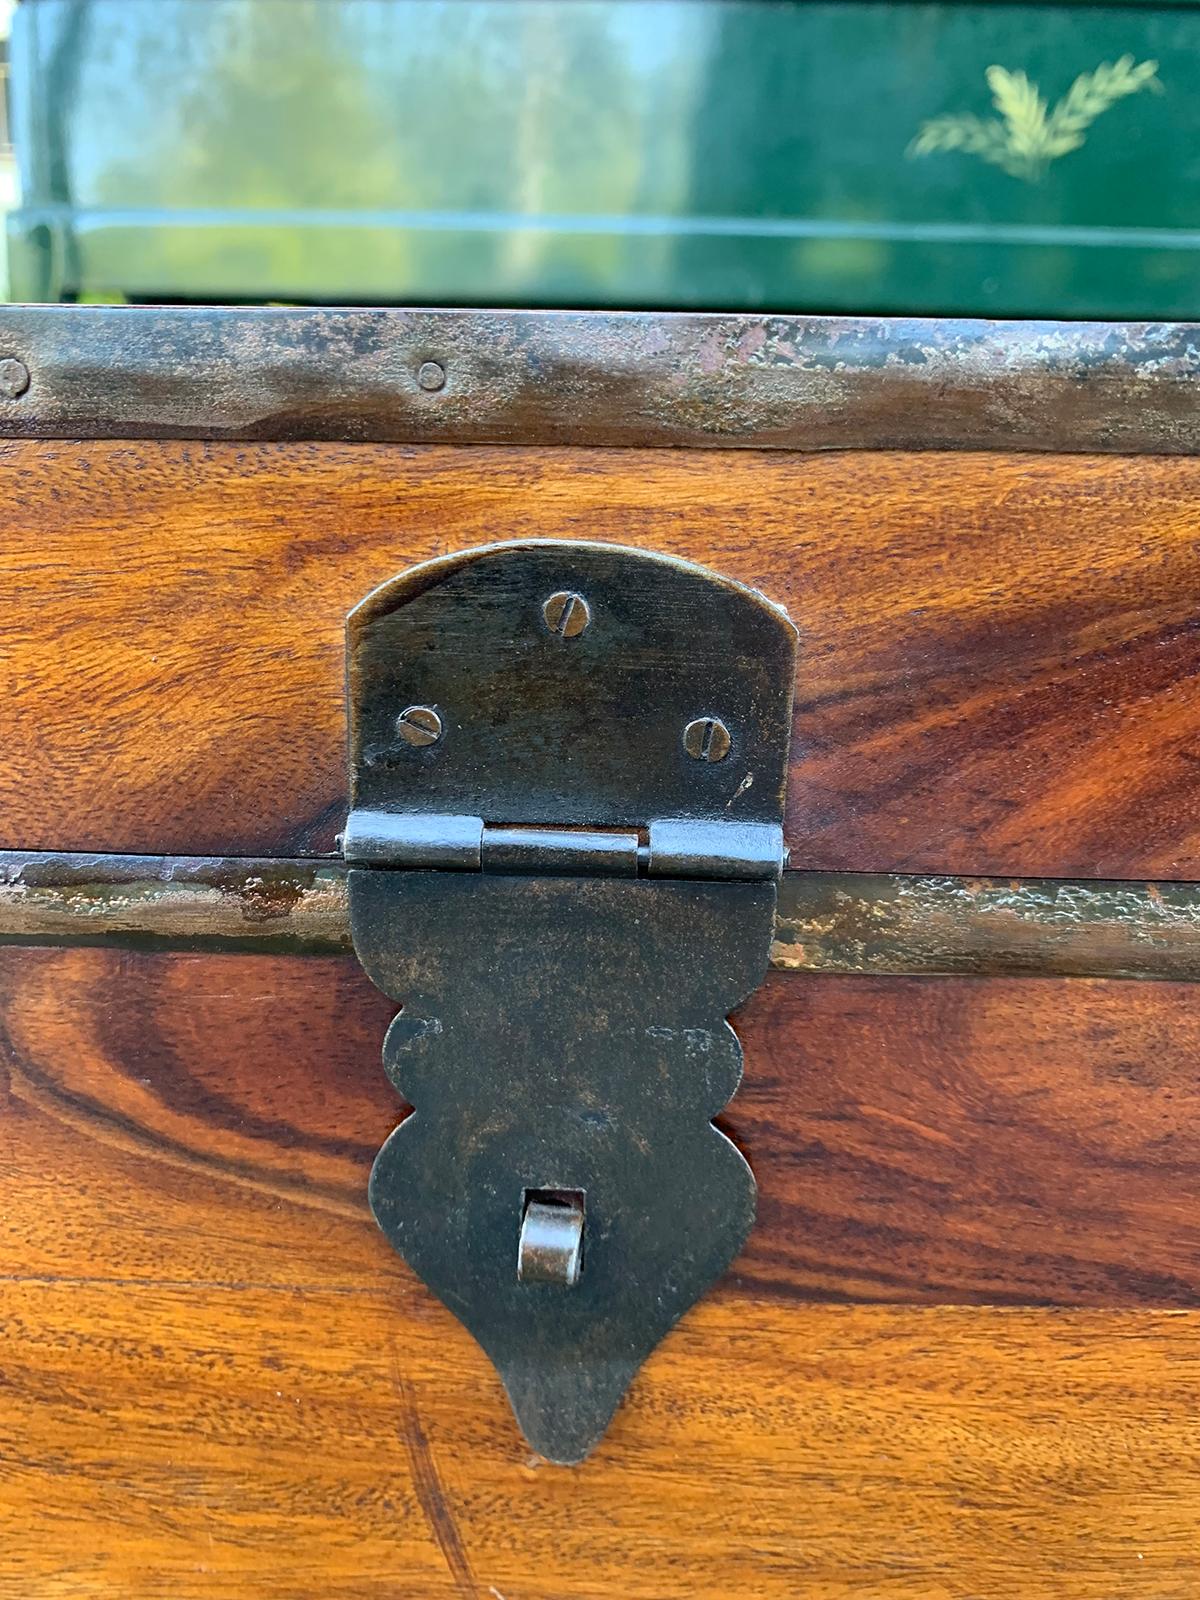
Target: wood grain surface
960	1355
218	1381
1000	663
946	1140
217	1443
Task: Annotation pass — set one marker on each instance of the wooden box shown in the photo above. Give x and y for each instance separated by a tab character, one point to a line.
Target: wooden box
960	1353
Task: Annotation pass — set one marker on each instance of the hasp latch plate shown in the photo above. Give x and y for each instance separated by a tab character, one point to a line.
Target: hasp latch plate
567	773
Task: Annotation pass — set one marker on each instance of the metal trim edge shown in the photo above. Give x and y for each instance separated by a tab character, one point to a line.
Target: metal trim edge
600	378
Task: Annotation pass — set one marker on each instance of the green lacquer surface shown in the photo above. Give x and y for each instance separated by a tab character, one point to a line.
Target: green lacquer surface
562	152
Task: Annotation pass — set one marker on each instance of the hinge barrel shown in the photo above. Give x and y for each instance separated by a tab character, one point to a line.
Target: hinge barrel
567	851
743	852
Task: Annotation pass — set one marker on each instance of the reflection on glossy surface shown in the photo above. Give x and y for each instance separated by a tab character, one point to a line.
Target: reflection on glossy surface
570	151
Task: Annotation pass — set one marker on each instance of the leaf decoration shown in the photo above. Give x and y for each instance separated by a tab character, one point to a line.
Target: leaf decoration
1027	136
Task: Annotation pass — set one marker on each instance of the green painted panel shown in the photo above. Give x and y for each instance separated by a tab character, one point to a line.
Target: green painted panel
723	153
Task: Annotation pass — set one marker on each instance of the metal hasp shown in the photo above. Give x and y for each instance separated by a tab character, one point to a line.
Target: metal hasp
567	772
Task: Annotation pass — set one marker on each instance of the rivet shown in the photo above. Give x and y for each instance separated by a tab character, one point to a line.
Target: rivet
707	739
431	375
567	614
14	377
419	725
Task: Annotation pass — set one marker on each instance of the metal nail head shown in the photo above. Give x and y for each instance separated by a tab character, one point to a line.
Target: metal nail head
14	377
707	739
431	375
419	725
567	614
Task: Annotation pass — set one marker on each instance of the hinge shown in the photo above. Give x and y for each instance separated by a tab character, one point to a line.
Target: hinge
567	767
683	847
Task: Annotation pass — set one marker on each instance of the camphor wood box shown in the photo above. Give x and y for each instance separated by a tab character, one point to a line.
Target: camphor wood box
960	1354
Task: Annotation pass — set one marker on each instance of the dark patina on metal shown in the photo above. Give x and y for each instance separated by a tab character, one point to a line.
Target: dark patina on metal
568	906
838	923
598	378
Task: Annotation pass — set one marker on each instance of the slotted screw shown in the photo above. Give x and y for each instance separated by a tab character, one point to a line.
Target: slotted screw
567	614
707	739
419	725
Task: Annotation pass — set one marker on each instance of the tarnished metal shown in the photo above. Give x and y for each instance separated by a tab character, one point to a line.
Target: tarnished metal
570	850
174	902
675	847
431	375
413	839
750	851
419	725
923	925
14	378
550	1249
886	925
582	733
563	1033
563	1030
707	739
567	614
611	378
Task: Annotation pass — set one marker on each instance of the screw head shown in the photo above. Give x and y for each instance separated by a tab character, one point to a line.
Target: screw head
431	375
419	725
707	739
567	614
14	377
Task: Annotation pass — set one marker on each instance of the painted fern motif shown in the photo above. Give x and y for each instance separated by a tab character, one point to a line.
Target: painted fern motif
1027	135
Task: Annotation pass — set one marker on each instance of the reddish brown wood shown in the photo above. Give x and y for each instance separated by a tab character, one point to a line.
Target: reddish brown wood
171	1442
999	673
926	1140
946	1140
219	1381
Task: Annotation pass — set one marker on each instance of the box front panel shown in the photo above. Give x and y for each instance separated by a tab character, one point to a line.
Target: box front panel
960	1352
998	662
209	1345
